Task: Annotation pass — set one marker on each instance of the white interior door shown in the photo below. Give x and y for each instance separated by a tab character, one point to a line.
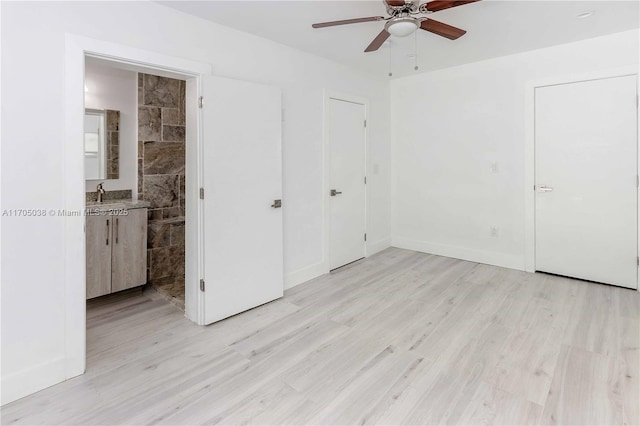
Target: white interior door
586	191
347	198
242	177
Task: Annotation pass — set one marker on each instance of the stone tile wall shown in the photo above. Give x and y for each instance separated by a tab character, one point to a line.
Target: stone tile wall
113	144
161	174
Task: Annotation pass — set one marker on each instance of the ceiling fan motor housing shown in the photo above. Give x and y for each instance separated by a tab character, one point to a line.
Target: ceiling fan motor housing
395	7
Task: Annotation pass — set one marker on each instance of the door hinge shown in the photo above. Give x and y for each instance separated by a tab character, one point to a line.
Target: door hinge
638	261
202	285
365	180
365	237
202	193
200	101
365	123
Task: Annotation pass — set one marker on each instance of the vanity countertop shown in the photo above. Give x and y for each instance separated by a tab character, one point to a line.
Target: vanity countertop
118	205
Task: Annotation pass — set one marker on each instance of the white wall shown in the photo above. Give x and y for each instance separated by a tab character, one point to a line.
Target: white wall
33	76
116	89
451	126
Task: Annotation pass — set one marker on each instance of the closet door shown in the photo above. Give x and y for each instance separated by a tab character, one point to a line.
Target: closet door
586	188
346	140
242	176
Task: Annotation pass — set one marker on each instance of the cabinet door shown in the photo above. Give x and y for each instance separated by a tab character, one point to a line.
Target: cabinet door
99	241
129	254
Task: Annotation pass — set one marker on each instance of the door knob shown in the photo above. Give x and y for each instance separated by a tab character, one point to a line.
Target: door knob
333	193
543	188
276	204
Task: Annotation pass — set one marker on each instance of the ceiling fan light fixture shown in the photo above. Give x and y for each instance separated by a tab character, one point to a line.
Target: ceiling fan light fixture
402	27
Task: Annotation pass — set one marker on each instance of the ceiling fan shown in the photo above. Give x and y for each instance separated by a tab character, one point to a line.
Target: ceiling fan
403	20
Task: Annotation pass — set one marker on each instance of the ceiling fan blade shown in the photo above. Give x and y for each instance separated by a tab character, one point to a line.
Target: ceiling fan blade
395	2
378	41
442	29
436	5
347	21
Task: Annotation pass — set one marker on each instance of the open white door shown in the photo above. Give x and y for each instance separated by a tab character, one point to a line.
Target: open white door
586	190
242	178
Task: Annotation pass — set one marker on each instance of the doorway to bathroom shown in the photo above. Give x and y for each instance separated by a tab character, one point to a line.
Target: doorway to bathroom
215	121
137	169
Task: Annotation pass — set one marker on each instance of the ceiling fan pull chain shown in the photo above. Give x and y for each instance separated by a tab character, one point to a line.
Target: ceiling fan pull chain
415	51
390	60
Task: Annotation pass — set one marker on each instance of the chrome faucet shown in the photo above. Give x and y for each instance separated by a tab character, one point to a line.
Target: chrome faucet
100	191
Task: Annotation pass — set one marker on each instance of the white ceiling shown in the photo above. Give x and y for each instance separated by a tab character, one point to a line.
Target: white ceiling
495	28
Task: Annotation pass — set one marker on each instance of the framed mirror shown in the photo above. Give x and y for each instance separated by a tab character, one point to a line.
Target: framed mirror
101	144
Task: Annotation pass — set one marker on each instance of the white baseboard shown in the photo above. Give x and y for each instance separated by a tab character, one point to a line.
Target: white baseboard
473	255
18	385
378	246
310	272
305	274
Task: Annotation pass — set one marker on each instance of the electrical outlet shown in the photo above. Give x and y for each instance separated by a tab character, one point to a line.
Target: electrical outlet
494	168
493	231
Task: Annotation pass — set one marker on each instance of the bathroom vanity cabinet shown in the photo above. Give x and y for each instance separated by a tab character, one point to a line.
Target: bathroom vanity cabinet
116	251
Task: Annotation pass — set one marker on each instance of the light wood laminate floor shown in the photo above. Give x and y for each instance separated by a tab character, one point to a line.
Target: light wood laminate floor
399	338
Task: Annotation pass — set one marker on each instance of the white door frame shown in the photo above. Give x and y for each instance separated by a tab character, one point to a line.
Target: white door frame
326	172
76	49
530	237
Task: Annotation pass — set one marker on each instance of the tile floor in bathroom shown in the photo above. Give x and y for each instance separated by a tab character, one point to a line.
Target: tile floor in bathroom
171	290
